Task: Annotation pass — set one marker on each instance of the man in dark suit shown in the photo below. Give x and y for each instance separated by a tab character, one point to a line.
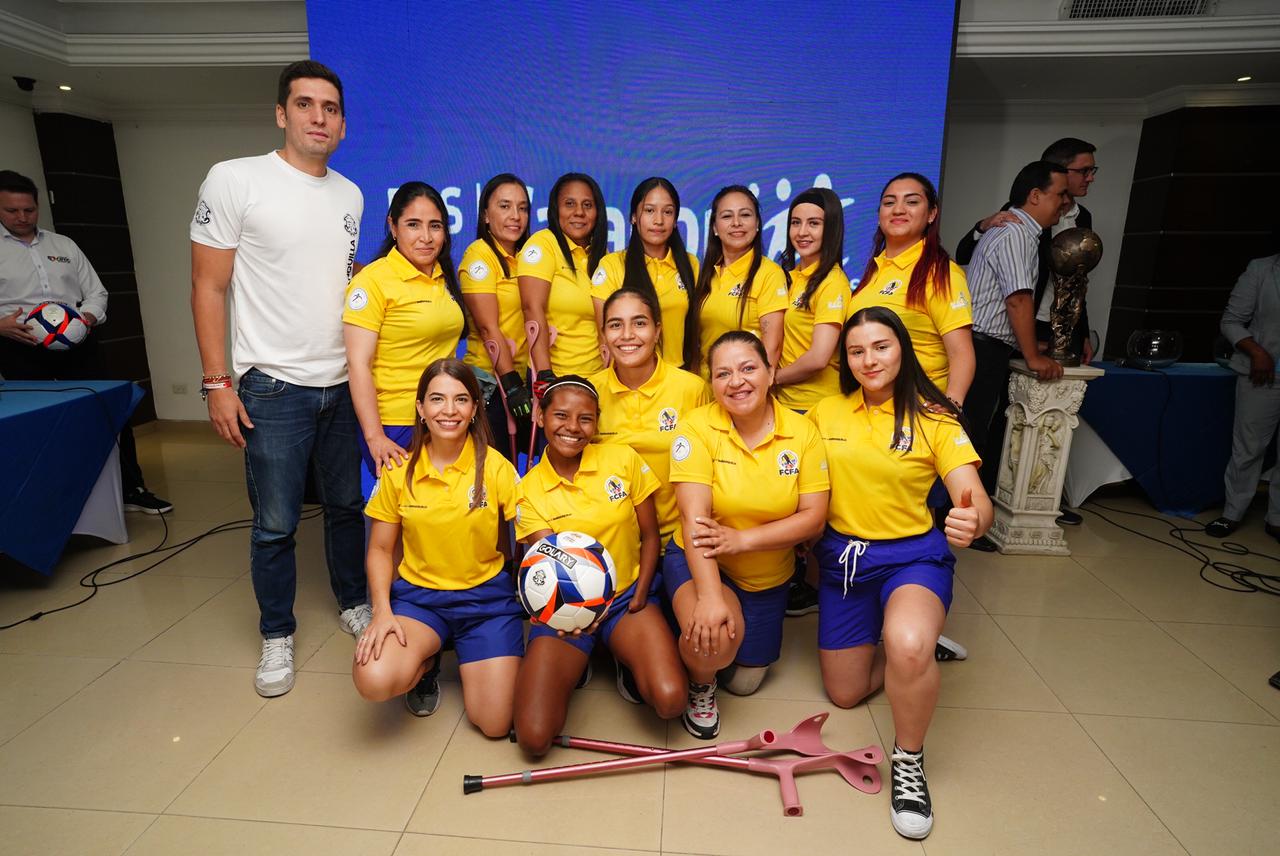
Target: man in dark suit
1077	158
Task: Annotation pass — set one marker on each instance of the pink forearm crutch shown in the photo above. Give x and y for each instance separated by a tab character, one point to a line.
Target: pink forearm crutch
472	784
531	332
858	767
492	347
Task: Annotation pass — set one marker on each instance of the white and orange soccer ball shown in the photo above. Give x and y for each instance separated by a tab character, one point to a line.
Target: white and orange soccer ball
57	326
567	581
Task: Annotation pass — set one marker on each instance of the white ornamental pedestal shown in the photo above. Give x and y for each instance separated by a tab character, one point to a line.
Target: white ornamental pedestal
1033	462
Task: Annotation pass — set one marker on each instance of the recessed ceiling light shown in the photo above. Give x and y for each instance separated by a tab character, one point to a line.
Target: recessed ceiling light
65	88
1244	79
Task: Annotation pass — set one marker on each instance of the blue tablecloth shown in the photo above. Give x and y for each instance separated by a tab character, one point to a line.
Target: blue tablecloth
1171	428
54	438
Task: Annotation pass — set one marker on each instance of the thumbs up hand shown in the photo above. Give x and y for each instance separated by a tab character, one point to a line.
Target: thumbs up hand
961	525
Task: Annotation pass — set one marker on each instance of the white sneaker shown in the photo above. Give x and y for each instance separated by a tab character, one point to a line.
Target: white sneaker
702	715
275	669
356	619
949	649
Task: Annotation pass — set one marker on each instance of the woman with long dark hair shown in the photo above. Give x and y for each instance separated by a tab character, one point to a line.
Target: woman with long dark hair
911	273
655	261
737	288
487	274
817	291
555	271
885	579
751	482
403	311
447	505
606	491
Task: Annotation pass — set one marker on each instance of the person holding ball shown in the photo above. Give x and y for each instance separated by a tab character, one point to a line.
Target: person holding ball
447	504
751	482
605	491
885	578
404	311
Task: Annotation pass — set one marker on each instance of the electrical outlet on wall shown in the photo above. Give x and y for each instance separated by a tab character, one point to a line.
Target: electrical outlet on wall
179	389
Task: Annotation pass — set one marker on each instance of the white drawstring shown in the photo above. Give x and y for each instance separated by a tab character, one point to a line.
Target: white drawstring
857	548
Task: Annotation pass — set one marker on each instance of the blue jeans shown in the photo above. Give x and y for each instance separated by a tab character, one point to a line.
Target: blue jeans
296	427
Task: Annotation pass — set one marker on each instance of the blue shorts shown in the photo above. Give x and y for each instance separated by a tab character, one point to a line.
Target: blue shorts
847	618
482	622
762	611
401	435
587	642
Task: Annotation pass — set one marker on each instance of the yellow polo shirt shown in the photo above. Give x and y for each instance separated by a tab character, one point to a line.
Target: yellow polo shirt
940	315
417	322
827	305
447	544
600	501
673	294
646	419
750	487
481	273
878	493
569	306
720	309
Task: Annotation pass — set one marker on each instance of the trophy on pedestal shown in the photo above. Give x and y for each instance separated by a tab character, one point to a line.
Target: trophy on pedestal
1073	253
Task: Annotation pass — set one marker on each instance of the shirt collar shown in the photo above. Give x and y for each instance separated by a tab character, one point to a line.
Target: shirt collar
587	464
648	389
40	233
1027	221
464	464
404	269
903	260
738	270
721	421
667	261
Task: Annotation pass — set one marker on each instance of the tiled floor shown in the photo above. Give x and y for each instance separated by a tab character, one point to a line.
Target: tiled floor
1113	703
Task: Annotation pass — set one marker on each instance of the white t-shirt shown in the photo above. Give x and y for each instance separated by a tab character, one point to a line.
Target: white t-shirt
295	237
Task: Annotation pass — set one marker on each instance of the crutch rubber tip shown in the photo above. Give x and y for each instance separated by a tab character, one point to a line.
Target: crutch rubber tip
511	735
472	784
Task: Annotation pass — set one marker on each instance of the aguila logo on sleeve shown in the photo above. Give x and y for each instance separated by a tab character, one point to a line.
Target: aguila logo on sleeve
358	299
667	419
680	448
533	254
349	223
478	270
203	214
788	463
600	276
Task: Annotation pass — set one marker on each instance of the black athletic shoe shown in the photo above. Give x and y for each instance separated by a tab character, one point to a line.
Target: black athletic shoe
147	502
802	599
949	649
910	808
424	699
1221	528
1067	517
983	544
627	683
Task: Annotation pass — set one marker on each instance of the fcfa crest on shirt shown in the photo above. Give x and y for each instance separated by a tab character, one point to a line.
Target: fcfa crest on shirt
788	463
736	291
615	489
667	419
484	497
891	287
904	441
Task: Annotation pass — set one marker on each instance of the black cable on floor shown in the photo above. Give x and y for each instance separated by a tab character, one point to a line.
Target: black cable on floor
1238	578
90	579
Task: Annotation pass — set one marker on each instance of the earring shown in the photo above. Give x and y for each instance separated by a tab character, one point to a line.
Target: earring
473	419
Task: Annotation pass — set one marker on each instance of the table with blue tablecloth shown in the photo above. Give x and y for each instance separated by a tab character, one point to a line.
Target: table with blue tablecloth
1170	429
55	437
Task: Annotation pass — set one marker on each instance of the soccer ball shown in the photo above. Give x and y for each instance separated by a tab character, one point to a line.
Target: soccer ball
567	581
57	326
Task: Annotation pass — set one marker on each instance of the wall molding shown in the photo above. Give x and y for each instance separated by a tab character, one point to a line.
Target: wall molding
148	49
1174	98
1137	37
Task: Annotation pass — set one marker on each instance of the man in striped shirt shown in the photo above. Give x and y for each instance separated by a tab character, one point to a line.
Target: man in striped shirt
1002	279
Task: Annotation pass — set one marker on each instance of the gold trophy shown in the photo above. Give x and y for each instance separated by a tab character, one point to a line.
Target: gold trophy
1073	253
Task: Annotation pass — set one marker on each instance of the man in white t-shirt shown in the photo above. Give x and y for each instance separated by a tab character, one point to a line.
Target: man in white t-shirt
278	234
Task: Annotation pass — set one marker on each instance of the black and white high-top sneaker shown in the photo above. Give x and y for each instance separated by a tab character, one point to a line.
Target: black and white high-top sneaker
910	808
